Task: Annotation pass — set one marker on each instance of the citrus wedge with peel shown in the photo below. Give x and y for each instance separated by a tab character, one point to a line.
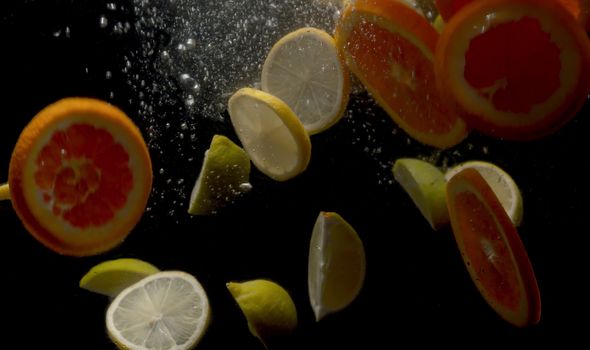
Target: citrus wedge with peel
268	308
270	133
425	184
224	177
523	88
501	183
306	71
112	276
336	266
390	47
80	176
166	310
492	250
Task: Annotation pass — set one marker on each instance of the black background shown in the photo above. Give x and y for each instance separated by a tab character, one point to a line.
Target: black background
416	287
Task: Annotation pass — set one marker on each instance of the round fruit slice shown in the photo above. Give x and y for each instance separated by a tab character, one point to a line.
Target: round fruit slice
80	176
268	308
501	183
167	310
425	184
336	269
223	177
305	70
491	249
111	277
522	88
389	46
271	134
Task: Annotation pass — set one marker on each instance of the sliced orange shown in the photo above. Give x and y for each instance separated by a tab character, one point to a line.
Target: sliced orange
80	176
491	249
390	48
519	68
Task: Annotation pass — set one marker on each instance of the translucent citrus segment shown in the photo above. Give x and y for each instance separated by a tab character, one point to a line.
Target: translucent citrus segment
166	310
113	276
337	264
80	176
305	70
491	249
270	133
523	88
389	46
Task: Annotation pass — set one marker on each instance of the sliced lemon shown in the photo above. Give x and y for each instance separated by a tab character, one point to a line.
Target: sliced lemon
268	308
223	177
305	69
426	186
271	134
501	183
167	310
111	277
336	269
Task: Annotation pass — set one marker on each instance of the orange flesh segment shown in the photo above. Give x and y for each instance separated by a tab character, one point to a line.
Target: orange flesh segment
487	251
507	72
398	70
84	174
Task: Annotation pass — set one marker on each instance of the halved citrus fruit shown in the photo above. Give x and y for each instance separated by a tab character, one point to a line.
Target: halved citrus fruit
80	176
519	68
491	249
390	47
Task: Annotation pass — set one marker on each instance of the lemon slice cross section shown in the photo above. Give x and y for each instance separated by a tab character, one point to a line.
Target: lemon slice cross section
268	308
502	184
112	276
167	310
337	263
305	69
270	133
224	177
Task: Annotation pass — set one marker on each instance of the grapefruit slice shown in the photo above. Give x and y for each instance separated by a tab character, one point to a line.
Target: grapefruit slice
491	249
80	176
390	47
521	88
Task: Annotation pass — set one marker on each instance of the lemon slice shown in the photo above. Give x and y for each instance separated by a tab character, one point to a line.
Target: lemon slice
426	186
271	134
336	269
305	70
268	308
111	277
167	310
501	183
223	177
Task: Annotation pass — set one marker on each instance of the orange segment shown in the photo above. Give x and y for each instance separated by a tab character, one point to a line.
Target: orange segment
80	176
491	249
524	87
390	48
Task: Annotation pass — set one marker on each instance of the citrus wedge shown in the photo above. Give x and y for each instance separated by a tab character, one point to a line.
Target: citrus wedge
390	47
223	177
491	249
167	310
112	276
501	183
268	308
336	268
523	88
305	70
425	184
80	176
271	134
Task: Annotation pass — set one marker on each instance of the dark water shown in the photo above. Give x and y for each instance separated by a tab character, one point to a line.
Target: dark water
130	54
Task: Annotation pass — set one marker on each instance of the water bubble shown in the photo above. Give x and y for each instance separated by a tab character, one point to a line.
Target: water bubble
103	22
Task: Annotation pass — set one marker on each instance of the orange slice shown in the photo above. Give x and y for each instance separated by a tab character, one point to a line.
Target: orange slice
390	48
520	68
491	249
80	176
